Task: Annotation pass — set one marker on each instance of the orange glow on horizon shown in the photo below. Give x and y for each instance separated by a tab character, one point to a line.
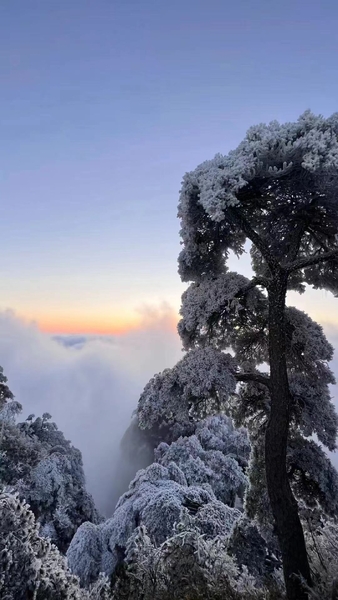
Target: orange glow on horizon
87	326
84	328
122	323
104	326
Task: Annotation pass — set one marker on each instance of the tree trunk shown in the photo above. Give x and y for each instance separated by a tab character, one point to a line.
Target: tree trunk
283	504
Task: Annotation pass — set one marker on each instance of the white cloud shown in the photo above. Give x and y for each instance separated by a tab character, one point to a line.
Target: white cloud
91	387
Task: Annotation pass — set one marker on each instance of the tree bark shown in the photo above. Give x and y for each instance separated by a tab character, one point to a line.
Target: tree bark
283	504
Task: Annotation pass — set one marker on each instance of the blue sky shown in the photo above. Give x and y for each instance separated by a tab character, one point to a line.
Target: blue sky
104	105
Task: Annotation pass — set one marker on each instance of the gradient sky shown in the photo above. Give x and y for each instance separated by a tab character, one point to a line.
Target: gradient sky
104	105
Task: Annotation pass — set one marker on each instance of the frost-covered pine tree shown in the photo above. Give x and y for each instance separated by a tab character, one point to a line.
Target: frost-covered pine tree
202	473
215	455
277	191
45	469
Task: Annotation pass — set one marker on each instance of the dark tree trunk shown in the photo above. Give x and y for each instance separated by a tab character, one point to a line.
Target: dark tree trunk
283	504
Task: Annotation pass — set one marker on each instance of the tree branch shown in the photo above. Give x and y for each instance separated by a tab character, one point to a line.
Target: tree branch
318	240
255	281
297	238
255	377
238	218
302	263
304	222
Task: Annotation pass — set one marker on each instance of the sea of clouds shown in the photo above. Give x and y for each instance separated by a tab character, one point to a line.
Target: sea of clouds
91	385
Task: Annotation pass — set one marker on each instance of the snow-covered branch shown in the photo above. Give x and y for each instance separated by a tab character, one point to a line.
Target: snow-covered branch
309	261
255	377
255	281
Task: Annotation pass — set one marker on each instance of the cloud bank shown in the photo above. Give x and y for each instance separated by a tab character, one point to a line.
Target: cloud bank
90	385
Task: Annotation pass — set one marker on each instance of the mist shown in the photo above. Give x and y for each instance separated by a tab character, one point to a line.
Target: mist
90	385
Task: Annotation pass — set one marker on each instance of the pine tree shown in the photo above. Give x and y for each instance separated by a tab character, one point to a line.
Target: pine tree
45	469
277	191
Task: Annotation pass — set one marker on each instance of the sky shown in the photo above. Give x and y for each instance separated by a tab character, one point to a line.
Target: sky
104	105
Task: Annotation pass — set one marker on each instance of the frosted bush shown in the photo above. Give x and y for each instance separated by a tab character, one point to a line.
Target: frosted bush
154	499
187	565
47	471
32	567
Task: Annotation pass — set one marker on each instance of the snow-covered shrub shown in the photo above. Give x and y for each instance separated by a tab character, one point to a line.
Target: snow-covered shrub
31	567
196	387
214	455
155	499
46	470
209	451
85	552
186	566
